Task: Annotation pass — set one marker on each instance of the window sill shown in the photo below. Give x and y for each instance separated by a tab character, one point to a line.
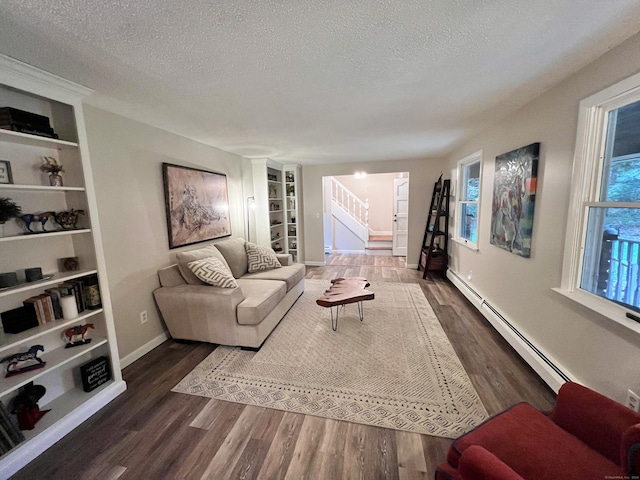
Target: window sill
465	243
613	312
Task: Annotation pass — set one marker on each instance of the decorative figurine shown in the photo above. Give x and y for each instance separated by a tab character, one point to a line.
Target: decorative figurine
25	405
70	264
29	218
75	336
23	361
68	220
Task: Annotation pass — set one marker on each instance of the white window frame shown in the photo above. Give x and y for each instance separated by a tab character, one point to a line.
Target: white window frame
460	173
585	189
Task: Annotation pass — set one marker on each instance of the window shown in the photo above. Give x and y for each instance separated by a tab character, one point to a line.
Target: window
602	253
467	199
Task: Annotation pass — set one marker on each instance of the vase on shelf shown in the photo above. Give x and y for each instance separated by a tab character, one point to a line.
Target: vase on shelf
55	180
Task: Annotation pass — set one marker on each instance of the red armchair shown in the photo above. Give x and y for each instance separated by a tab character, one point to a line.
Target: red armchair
585	436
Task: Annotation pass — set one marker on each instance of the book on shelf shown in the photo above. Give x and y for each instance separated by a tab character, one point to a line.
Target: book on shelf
47	307
32	304
10	434
54	294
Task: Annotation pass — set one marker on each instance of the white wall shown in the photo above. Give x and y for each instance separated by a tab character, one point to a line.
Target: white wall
422	173
596	352
127	161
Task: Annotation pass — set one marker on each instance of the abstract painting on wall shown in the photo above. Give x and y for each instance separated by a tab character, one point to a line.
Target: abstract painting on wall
514	194
197	205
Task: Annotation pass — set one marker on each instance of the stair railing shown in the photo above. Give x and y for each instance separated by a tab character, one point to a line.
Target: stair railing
350	203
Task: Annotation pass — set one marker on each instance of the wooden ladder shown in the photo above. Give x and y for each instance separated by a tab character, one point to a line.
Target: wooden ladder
434	252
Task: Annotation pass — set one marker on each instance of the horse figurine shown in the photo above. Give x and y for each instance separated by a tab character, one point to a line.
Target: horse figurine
17	358
68	220
28	218
75	335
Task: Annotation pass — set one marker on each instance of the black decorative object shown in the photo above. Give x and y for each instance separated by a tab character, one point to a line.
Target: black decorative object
95	373
25	122
33	274
9	279
18	320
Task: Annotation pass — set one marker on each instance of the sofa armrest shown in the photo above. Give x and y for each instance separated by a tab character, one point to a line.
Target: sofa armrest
595	419
478	463
285	259
631	451
200	312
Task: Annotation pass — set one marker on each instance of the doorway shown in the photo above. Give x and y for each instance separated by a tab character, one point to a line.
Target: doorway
366	215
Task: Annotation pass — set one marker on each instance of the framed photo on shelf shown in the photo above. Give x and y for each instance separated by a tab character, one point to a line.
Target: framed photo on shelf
196	203
5	172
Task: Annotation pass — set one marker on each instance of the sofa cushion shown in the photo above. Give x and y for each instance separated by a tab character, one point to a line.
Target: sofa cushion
534	447
291	275
235	255
183	259
260	298
212	271
260	258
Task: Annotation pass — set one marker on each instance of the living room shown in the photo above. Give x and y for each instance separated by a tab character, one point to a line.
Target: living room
126	156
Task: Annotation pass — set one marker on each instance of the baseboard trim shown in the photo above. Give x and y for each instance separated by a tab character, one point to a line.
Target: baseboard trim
552	372
315	264
143	350
349	252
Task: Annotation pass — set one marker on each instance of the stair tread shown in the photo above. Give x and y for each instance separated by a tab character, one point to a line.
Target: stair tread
380	238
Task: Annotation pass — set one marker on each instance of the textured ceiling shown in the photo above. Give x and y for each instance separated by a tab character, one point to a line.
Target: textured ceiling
316	81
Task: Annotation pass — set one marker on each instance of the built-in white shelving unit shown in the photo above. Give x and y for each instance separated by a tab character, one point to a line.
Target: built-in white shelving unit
277	198
28	89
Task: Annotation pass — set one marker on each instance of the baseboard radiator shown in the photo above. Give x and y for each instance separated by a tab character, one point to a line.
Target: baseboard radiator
547	368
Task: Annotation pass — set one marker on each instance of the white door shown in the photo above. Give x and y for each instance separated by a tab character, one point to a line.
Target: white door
400	216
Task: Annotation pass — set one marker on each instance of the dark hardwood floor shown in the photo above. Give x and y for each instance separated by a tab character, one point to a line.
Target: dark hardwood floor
150	432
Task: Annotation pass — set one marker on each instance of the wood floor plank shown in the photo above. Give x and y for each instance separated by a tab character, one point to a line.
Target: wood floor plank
231	450
282	447
151	432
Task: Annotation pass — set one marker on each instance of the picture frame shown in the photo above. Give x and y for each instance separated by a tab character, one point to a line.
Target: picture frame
196	204
514	194
5	172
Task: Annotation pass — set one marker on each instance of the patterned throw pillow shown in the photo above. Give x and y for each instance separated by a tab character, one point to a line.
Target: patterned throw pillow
212	271
260	258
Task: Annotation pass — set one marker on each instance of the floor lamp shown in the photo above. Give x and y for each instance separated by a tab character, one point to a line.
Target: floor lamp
251	206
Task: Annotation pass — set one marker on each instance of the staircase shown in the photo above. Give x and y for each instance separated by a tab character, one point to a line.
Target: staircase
379	245
353	213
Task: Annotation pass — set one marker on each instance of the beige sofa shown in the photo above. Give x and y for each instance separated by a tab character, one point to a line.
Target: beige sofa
242	316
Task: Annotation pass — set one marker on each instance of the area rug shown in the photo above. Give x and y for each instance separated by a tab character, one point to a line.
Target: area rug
396	369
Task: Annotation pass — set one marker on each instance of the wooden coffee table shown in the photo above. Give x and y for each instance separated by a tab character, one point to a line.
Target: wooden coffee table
344	291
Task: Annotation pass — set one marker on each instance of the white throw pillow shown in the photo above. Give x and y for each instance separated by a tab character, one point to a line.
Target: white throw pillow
212	271
260	258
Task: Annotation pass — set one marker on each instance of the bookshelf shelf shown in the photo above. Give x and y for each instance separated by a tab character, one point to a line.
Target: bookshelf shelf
57	277
12	340
43	188
35	141
34	236
55	359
